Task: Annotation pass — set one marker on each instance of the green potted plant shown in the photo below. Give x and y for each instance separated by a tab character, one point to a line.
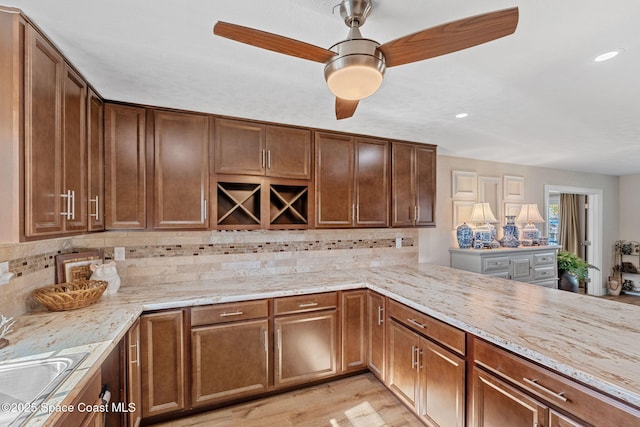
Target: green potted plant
571	270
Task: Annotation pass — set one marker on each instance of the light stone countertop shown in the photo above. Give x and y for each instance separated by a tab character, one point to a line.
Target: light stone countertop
595	341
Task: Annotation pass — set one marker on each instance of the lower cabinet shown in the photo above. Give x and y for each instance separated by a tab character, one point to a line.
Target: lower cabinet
163	359
87	398
353	319
251	348
425	375
509	390
133	376
230	353
306	338
376	333
495	403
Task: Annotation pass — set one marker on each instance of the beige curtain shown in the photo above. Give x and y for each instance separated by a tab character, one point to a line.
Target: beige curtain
569	223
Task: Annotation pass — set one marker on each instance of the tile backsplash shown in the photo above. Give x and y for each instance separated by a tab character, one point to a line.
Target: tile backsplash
168	256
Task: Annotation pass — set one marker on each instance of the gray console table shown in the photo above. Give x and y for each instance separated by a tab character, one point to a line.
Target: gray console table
531	264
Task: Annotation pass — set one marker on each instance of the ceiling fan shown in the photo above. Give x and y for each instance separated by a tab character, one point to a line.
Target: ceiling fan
354	67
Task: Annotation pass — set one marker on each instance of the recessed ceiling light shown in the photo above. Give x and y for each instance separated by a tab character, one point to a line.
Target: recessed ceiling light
461	115
607	55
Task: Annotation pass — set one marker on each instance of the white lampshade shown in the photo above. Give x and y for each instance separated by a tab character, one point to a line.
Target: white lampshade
529	214
482	213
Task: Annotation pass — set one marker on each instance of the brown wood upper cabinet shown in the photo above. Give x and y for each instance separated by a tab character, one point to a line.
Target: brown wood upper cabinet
413	180
55	142
181	170
125	171
249	148
95	157
351	181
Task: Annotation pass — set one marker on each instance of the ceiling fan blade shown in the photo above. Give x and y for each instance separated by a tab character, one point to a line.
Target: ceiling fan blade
450	37
345	108
272	42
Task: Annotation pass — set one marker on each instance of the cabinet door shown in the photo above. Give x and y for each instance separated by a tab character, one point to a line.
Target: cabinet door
95	162
442	401
403	184
425	185
305	347
403	359
181	170
239	147
354	330
497	404
125	171
288	152
371	183
163	380
376	333
229	360
334	180
558	420
134	385
43	137
74	143
521	268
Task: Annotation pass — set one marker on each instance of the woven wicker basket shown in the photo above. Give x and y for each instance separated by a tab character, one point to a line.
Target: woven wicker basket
72	295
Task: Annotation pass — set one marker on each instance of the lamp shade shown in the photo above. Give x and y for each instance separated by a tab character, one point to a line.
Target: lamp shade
530	214
482	213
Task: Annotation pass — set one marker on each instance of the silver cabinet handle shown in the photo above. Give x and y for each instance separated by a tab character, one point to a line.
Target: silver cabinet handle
263	156
353	213
97	214
416	211
308	304
534	383
204	209
137	347
67	212
380	310
278	339
416	323
268	159
266	342
73	205
413	356
233	313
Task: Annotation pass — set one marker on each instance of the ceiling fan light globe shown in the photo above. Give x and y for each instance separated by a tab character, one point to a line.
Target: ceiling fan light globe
354	82
355	76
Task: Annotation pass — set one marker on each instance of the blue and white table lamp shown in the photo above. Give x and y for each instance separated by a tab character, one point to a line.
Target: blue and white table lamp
484	233
530	214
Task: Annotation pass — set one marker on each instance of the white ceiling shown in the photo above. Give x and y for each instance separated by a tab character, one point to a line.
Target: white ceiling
533	98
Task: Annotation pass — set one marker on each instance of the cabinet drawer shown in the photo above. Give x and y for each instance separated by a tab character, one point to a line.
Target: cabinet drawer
540	273
544	258
231	312
495	264
593	407
304	303
438	331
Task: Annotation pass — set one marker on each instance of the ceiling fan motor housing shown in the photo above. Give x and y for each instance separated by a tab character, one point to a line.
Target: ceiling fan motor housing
357	70
355	12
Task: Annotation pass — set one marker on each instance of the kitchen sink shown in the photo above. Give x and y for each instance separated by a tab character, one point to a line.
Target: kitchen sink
25	385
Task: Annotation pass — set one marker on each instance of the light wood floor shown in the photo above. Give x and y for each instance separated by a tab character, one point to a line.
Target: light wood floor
359	401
